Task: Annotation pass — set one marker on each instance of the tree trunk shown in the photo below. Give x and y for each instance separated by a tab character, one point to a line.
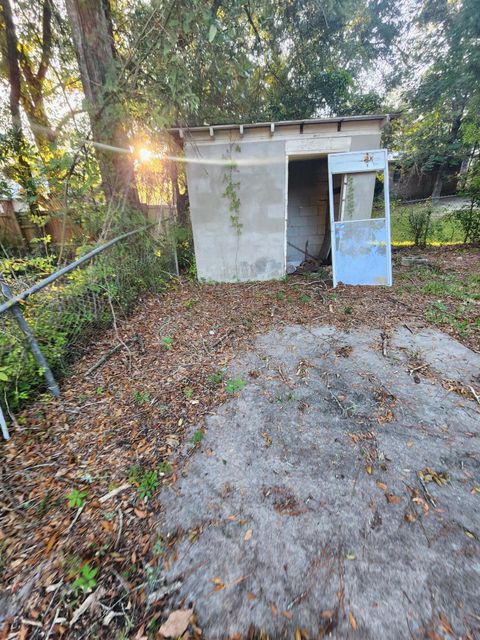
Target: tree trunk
94	47
180	200
438	185
33	90
25	177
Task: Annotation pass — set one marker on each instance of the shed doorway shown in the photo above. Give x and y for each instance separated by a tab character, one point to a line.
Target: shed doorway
308	217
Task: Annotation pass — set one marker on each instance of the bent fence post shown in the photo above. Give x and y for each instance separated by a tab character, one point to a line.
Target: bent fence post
3	426
33	344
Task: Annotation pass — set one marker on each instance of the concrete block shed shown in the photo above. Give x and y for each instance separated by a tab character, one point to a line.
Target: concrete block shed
266	197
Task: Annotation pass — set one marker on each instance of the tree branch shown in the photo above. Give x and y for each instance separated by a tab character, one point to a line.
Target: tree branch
46	40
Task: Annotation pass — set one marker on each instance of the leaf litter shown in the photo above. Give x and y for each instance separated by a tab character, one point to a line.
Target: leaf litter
133	411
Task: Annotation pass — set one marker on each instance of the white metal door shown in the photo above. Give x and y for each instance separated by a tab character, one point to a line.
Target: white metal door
360	219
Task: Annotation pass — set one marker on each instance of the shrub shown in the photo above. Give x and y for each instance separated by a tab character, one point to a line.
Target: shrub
68	312
419	224
469	220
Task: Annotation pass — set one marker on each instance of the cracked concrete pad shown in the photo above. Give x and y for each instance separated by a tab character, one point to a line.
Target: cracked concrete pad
338	493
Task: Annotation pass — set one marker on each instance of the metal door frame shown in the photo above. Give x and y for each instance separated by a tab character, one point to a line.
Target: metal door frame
360	162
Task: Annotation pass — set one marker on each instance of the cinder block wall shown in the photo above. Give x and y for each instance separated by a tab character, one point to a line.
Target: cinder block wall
257	251
307	207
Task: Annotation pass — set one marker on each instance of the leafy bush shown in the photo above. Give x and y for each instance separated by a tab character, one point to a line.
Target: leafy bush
419	223
469	220
69	311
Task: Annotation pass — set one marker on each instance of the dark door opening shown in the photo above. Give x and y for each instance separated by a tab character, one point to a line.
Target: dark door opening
308	219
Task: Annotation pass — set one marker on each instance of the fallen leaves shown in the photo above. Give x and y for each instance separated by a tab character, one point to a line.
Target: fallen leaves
392	498
353	622
430	475
99	434
219	585
91	601
177	623
447	627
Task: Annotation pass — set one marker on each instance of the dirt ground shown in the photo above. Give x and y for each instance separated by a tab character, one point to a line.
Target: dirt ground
285	457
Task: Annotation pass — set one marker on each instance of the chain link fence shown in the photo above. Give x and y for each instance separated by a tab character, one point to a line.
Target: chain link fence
64	315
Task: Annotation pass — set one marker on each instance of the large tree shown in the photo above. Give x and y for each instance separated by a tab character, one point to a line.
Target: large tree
22	171
442	92
92	33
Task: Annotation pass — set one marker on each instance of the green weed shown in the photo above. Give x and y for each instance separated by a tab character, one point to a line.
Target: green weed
165	468
167	342
86	580
197	437
234	385
141	397
77	499
216	378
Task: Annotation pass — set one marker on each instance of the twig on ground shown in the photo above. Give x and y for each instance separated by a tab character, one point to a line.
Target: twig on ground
114	492
384	343
77	515
422	366
475	394
120	527
428	496
111	352
220	340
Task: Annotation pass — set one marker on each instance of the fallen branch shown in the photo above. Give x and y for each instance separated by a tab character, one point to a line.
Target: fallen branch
91	601
114	492
220	340
422	366
111	352
384	344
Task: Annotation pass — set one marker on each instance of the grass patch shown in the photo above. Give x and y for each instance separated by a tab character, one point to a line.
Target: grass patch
444	229
456	297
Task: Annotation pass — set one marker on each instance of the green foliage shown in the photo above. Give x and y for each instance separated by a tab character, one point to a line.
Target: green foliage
166	342
63	315
197	437
231	190
86	579
234	385
148	484
419	223
76	499
217	377
444	228
165	468
146	481
141	397
469	220
190	303
444	96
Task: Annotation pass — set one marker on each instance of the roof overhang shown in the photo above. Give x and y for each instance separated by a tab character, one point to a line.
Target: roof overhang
273	126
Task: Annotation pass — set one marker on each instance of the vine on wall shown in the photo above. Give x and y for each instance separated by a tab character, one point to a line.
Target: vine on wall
231	189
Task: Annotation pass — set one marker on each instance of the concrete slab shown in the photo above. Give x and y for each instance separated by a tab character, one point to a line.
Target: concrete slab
338	493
